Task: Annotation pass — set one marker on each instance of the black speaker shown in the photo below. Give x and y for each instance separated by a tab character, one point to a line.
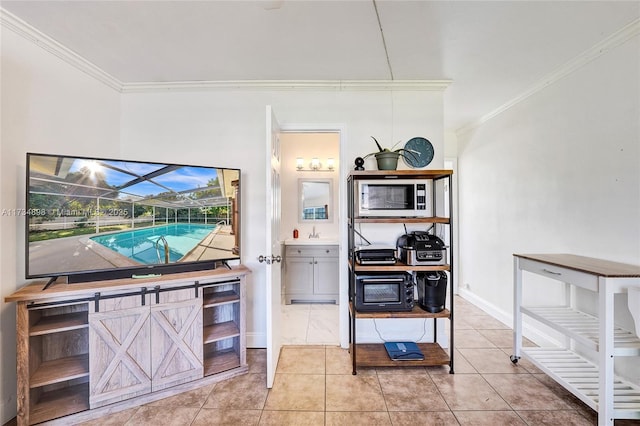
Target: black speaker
432	290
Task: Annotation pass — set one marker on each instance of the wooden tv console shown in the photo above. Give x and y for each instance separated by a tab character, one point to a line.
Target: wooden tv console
89	349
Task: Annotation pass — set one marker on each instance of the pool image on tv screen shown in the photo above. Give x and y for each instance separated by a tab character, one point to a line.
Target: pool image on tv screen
87	216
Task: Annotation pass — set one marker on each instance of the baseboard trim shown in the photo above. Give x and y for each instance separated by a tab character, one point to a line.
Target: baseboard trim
8	408
532	333
256	340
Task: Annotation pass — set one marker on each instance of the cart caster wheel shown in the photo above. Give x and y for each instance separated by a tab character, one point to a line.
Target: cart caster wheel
514	359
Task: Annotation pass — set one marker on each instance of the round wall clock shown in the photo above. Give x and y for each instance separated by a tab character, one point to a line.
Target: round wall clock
420	152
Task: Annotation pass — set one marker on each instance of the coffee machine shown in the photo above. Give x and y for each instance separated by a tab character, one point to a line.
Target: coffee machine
432	290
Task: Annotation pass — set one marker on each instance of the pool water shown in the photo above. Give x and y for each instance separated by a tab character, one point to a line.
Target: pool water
140	244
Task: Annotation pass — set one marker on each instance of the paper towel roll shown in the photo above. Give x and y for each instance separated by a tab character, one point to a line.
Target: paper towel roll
633	295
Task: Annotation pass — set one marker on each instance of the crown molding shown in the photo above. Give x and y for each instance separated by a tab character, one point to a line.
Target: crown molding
23	29
280	85
606	45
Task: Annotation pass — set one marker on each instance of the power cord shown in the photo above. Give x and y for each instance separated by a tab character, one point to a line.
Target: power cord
424	330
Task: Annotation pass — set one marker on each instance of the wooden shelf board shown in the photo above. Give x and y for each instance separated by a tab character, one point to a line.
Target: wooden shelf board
375	355
219	361
58	323
60	370
399	267
444	220
223	330
220	298
416	312
386	174
60	402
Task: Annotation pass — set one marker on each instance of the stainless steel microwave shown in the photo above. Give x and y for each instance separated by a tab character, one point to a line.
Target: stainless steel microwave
394	198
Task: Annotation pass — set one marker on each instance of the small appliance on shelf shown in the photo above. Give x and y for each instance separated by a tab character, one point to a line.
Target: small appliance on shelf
421	248
432	290
375	255
381	292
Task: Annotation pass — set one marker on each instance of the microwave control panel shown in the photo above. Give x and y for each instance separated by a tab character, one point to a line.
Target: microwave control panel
421	196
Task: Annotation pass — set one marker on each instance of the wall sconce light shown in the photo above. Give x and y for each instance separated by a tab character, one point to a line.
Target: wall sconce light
315	165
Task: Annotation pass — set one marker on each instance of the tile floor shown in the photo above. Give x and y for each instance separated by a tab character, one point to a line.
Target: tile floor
310	324
314	386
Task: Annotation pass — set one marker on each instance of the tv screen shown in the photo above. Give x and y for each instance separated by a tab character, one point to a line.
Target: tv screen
95	218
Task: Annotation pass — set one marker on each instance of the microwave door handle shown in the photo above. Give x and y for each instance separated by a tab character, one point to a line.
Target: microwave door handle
383	280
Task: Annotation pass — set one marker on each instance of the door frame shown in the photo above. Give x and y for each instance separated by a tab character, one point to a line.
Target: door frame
343	171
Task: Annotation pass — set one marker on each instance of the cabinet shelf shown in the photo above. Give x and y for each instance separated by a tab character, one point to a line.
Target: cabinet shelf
58	323
402	174
220	298
220	361
443	220
60	370
416	312
583	328
60	402
220	331
581	377
398	267
375	355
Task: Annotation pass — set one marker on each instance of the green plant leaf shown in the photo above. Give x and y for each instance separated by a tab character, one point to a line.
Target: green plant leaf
378	145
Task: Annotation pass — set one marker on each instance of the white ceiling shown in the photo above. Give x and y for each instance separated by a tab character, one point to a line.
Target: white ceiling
494	51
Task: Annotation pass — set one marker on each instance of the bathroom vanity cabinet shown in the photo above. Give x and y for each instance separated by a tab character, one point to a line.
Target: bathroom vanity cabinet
311	273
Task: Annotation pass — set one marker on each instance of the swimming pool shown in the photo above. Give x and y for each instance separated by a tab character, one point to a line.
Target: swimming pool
140	244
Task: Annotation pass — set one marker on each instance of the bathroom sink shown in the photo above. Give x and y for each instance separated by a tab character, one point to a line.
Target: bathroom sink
310	241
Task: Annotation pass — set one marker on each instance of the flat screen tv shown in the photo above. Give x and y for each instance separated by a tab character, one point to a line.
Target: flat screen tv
95	218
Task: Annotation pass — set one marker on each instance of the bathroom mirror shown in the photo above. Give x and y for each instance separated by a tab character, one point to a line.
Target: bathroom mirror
315	197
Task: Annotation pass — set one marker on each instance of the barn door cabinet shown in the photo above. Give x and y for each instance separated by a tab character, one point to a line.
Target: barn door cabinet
87	349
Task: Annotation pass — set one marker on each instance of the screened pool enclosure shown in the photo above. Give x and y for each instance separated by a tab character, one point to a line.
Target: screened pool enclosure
71	197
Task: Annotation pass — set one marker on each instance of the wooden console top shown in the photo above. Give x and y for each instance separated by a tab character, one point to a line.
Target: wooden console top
589	265
35	292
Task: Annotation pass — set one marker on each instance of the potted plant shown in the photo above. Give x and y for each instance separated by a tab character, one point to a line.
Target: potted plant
387	159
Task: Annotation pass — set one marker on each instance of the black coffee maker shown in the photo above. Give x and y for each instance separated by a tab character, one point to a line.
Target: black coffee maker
432	290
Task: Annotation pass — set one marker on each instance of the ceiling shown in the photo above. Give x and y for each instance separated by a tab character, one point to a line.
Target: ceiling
493	51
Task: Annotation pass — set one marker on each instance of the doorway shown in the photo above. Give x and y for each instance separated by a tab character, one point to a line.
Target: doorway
309	318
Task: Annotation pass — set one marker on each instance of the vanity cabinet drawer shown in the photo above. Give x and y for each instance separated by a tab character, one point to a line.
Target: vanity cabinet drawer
311	251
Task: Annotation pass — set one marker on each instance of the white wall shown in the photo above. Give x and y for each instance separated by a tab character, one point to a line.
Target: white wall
227	128
47	106
307	146
558	172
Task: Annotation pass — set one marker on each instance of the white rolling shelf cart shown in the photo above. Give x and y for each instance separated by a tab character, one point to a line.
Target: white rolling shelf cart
593	383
